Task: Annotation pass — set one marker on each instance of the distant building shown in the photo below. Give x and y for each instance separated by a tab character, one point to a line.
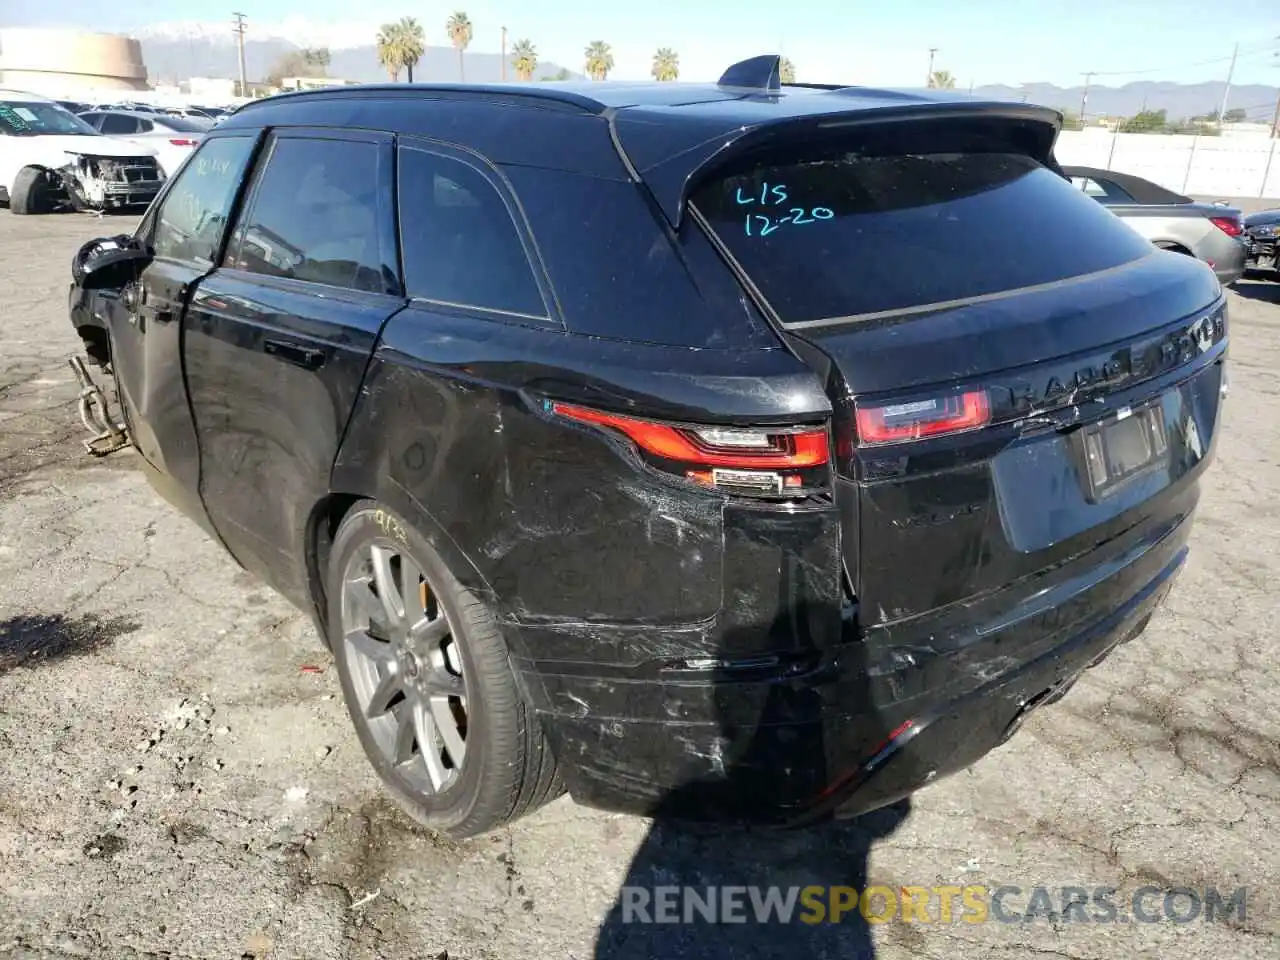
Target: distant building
1245	129
66	63
314	83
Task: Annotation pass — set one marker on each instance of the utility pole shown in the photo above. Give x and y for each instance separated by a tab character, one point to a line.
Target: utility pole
928	81
238	29
1222	114
504	54
1084	97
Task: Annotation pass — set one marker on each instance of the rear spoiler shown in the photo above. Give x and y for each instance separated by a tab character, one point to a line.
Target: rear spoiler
672	170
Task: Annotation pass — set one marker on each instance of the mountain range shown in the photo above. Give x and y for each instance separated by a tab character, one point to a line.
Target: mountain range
1179	100
176	51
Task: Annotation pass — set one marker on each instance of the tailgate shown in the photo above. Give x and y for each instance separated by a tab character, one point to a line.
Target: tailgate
1019	378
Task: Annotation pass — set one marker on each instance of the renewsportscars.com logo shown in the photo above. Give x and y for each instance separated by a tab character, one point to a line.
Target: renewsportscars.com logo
974	903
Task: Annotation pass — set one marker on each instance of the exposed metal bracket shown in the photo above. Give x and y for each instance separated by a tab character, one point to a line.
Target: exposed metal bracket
95	414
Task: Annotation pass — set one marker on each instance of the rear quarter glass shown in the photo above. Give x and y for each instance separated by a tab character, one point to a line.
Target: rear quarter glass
852	232
618	275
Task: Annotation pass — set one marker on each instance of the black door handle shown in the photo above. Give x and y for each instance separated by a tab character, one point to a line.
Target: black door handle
306	357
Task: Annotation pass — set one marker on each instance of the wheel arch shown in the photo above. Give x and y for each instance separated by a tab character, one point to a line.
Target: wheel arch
327	516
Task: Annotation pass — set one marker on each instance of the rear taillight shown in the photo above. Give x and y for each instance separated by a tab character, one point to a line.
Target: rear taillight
917	419
1228	225
179	142
760	460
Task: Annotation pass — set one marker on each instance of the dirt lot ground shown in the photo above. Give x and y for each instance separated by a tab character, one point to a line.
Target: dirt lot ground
177	783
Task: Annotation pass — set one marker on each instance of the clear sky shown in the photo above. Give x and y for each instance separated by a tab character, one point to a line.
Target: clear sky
846	41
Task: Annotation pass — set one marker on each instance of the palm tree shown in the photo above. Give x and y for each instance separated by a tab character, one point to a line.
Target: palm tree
413	43
524	57
599	60
666	64
459	28
391	50
787	71
942	80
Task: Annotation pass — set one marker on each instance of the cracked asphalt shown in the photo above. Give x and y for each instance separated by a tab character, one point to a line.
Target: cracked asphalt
180	780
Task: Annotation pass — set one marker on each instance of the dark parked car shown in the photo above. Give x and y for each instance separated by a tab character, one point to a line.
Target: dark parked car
616	441
1262	230
1210	232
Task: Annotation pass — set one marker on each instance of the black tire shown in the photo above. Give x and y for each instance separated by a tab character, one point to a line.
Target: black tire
509	770
1173	247
31	193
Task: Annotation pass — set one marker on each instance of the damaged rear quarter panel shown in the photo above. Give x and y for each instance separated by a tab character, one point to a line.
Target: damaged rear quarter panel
553	522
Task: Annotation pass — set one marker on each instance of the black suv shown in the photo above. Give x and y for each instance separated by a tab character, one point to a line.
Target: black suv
730	451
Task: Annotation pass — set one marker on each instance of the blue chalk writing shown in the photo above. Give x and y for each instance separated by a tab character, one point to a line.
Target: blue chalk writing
759	225
769	196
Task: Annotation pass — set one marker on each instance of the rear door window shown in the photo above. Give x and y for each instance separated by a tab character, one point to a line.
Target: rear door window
855	232
315	215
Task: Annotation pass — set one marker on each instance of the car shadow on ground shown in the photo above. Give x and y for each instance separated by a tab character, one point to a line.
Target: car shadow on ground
1258	287
695	859
769	761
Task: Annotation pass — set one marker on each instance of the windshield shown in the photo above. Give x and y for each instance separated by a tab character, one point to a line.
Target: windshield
854	233
33	118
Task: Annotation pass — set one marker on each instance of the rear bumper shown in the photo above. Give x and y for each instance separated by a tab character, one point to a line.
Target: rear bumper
1227	255
883	713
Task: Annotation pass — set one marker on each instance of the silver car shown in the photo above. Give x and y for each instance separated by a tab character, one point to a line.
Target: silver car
1208	231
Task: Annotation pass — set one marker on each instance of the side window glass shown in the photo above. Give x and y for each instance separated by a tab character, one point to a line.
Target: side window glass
193	216
118	123
315	216
93	119
459	242
145	126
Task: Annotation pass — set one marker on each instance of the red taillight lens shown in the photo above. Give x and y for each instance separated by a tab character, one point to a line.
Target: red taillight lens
917	419
178	142
711	446
769	460
1228	225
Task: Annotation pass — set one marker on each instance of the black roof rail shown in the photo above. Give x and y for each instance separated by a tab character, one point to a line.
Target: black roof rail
759	73
531	93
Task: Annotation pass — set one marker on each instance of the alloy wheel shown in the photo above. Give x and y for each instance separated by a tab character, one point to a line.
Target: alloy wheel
406	668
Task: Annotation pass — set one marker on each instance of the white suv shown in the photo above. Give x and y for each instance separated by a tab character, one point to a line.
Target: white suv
50	159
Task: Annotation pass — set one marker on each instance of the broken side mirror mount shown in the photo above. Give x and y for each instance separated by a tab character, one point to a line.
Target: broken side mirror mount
109	262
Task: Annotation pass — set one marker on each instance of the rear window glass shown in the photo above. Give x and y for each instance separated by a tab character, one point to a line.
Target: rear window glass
849	234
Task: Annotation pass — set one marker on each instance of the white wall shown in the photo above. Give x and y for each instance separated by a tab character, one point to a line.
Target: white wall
1239	166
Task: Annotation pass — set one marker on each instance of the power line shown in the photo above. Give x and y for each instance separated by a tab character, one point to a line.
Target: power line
1178	66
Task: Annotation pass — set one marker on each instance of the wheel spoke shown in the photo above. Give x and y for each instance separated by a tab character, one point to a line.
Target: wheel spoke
447	724
364	600
429	631
402	749
374	651
427	745
388	593
411	590
442	683
388	686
